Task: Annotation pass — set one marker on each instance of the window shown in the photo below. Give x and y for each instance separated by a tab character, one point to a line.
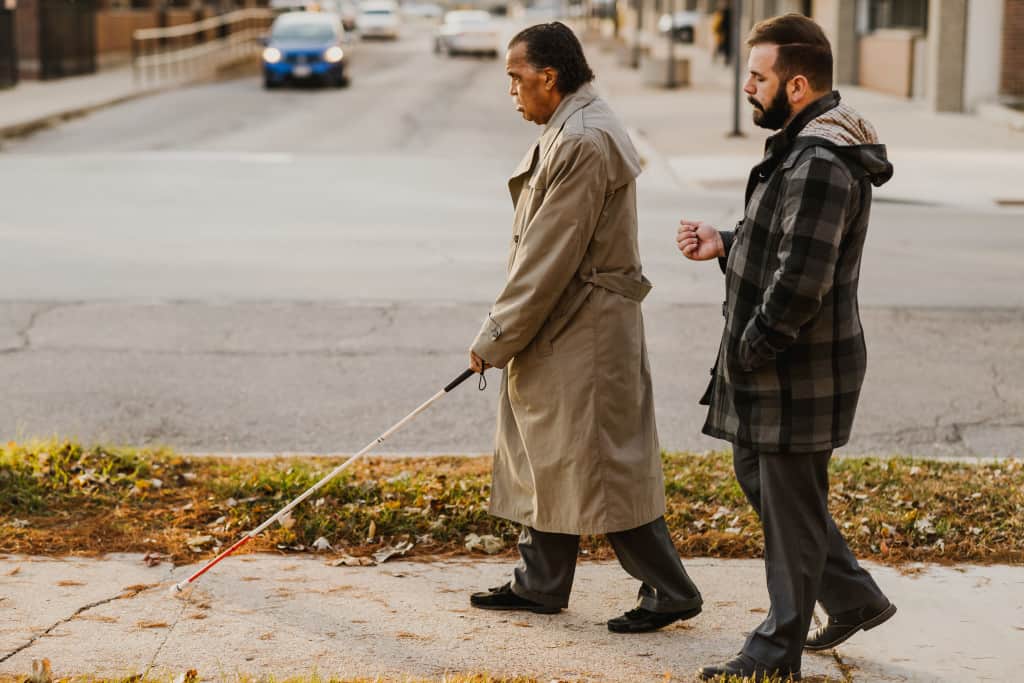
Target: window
897	14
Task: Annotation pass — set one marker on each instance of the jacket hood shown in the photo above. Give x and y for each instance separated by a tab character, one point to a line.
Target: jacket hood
853	138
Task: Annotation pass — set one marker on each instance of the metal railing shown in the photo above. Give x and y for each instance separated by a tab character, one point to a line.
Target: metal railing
198	50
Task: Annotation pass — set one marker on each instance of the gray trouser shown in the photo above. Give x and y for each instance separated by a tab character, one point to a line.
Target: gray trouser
806	558
548	563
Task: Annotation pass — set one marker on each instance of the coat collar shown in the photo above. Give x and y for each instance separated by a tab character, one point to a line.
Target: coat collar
569	105
779	144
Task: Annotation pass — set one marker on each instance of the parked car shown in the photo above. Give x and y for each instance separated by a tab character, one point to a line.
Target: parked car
422	10
379	19
306	46
683	26
468	31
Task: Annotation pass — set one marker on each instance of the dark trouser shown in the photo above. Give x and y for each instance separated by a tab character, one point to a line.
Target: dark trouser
548	563
806	558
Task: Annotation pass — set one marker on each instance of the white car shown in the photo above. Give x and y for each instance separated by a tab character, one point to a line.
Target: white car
468	31
422	10
379	19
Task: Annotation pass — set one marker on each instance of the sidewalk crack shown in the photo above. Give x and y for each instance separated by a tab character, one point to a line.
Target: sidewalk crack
845	669
184	603
124	593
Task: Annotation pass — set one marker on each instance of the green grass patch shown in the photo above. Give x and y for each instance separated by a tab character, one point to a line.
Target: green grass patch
64	498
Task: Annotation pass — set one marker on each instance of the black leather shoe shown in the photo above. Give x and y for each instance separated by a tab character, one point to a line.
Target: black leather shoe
841	626
502	598
743	666
641	620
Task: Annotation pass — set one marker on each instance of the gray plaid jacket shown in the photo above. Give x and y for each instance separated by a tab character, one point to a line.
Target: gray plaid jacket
792	358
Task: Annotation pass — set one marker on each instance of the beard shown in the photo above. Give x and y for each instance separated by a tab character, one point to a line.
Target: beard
776	114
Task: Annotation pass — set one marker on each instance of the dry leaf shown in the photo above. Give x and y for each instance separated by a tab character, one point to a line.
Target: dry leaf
152	559
372	531
385	554
196	543
151	624
14	572
68	582
286	521
41	672
349	561
487	543
322	544
190	676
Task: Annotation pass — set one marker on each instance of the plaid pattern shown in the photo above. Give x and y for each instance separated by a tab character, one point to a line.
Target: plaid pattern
792	358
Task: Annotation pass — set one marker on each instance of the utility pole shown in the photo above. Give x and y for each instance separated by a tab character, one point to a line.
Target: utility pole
734	29
636	34
671	58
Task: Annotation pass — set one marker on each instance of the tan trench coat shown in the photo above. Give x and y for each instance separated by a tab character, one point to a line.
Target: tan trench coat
576	449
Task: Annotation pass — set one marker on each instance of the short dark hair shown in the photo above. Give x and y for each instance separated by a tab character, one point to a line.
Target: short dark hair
554	45
803	48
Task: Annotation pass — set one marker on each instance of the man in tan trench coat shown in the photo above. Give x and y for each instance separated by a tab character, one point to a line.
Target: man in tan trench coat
576	449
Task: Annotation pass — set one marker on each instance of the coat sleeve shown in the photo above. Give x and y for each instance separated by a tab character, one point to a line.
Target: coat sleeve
814	211
727	239
550	250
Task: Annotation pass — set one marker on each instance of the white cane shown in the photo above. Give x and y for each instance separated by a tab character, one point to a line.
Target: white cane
316	487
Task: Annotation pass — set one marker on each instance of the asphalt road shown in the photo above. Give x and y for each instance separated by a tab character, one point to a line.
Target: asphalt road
222	268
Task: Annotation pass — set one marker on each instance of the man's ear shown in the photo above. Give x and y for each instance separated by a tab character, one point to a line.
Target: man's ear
798	88
550	78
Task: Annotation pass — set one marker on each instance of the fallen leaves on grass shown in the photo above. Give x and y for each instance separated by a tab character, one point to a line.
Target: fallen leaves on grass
76	499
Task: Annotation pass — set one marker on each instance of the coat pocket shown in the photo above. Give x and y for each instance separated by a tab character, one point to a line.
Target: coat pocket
563	316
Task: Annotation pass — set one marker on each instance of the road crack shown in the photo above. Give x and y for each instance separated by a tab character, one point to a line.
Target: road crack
24	334
124	593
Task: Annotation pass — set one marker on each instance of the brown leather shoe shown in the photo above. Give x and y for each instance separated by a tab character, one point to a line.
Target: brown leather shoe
841	626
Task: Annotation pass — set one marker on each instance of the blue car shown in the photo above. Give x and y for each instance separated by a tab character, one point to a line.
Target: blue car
306	47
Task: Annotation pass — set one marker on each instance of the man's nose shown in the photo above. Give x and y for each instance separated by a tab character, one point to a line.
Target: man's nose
748	87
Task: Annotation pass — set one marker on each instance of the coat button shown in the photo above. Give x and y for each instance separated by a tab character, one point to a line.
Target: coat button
515	239
724	315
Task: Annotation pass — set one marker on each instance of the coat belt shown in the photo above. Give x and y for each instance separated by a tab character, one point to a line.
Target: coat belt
635	290
622	285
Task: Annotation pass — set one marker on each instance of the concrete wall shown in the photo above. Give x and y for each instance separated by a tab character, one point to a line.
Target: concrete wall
947	30
1013	49
984	53
838	19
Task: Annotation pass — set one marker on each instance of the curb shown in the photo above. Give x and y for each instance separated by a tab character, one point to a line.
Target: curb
1000	113
26	128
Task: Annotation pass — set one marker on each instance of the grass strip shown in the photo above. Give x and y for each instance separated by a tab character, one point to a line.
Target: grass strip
59	497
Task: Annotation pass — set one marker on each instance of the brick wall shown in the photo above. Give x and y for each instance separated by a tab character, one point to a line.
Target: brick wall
1013	49
26	30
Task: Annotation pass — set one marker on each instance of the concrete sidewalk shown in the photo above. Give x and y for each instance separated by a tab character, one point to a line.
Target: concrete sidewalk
31	105
292	615
942	159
